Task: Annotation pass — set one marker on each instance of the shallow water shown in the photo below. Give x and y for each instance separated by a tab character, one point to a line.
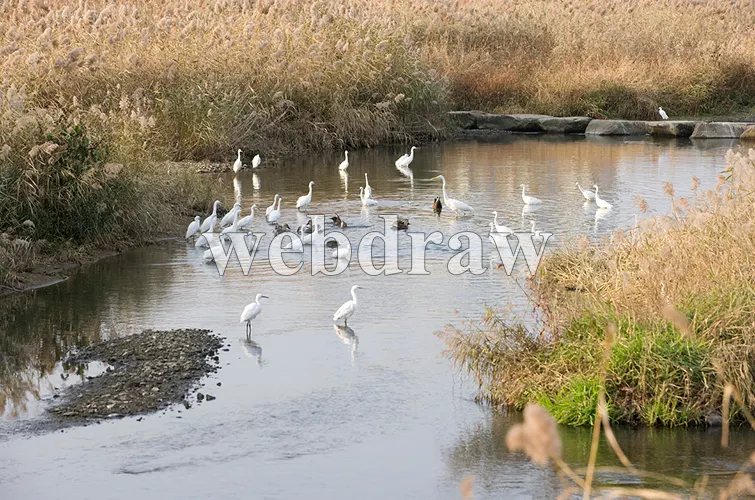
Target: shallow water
322	412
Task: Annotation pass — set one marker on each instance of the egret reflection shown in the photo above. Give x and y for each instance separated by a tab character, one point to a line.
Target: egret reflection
237	189
252	350
348	337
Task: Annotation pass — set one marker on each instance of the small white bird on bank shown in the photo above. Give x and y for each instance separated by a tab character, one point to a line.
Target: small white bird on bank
256	161
345	163
589	195
529	200
237	164
246	222
272	207
366	200
455	205
193	227
208	225
367	187
228	218
304	201
500	228
275	214
348	308
250	312
600	201
662	113
406	159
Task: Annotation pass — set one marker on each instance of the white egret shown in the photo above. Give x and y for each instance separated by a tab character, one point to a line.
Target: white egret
208	225
246	222
343	252
600	201
237	164
193	227
367	187
347	309
304	201
250	312
256	161
366	201
295	245
529	200
589	195
272	207
228	218
500	228
275	215
662	113
406	159
455	205
345	163
535	234
207	256
234	227
202	242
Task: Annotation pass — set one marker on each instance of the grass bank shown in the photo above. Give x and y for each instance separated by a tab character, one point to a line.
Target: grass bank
677	292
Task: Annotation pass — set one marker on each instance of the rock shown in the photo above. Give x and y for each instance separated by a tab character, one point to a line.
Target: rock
671	128
616	127
749	134
464	119
210	397
565	125
511	123
219	384
714	419
720	130
200	396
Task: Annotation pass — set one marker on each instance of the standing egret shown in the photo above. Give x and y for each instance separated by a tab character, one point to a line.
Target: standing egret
304	201
208	225
256	161
246	222
366	200
272	207
250	312
406	159
367	187
234	227
529	200
589	195
600	201
455	205
275	214
500	228
347	309
345	163
662	113
228	218
237	164
193	227
535	234
207	257
343	252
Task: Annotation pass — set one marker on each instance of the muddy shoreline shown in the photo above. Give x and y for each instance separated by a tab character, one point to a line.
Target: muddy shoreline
145	373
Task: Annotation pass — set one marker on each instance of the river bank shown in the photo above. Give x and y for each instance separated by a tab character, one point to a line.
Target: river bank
658	317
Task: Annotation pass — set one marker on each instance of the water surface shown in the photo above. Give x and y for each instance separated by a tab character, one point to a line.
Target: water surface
318	411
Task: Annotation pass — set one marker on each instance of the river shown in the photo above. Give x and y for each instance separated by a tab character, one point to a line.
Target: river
320	412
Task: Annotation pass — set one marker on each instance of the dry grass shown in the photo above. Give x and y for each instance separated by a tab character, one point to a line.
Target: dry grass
679	289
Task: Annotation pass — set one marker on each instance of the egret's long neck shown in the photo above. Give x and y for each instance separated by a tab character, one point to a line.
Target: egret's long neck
596	191
310	189
411	154
239	157
215	208
354	296
580	187
361	195
445	196
346	154
523	187
495	218
279	204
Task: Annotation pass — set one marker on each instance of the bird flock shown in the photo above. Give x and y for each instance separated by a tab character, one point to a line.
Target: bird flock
232	222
